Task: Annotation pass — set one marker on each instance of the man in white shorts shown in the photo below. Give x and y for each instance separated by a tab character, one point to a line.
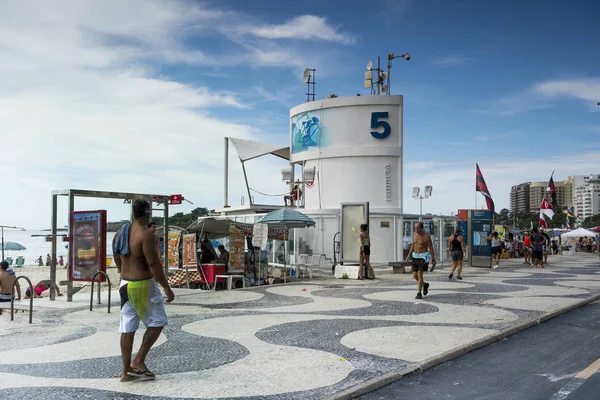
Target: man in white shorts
137	259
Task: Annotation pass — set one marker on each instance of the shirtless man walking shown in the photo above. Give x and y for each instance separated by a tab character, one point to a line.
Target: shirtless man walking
134	249
421	252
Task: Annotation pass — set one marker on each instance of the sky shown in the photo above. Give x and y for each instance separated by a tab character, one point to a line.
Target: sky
137	96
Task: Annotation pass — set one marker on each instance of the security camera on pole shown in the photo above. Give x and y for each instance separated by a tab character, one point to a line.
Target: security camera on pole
426	195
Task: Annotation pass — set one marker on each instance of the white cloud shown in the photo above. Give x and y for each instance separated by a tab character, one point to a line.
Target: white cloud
585	89
79	108
305	27
451	60
454	184
543	95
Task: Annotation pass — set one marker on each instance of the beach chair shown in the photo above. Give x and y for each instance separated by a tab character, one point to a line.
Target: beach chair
9	260
19	262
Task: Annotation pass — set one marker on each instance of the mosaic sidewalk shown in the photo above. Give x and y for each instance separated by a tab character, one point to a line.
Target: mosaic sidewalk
310	340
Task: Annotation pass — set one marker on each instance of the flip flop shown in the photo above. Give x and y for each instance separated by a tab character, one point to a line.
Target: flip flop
142	374
130	375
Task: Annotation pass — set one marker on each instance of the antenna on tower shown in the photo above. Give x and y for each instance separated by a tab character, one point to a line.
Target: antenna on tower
309	79
381	81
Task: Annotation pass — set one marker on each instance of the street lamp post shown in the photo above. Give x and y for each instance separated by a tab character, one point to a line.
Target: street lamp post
417	196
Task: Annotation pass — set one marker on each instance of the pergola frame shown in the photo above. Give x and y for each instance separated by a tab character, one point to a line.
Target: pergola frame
127	197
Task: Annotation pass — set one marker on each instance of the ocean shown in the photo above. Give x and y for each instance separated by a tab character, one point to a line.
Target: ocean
37	246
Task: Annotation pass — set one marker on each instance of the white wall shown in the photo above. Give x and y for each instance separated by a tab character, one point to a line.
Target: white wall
350	163
354	180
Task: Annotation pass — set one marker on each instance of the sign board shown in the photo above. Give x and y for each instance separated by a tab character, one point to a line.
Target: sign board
463	214
88	247
173	249
190	255
175	199
260	235
481	223
236	248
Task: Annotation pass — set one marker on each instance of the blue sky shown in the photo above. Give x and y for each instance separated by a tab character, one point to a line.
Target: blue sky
137	95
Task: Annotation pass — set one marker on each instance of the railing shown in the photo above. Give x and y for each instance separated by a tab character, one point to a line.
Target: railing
12	298
100	289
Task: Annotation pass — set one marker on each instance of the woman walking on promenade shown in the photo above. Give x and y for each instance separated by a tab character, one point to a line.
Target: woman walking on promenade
457	250
496	249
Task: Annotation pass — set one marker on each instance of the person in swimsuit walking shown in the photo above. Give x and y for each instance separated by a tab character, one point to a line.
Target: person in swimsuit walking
365	253
422	254
496	249
137	259
457	250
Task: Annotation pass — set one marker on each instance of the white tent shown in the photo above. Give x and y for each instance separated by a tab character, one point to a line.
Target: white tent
579	232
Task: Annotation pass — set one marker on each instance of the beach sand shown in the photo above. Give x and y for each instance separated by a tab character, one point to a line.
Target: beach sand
36	274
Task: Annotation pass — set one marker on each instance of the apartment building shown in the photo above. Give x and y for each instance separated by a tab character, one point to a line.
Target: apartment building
519	198
537	192
586	195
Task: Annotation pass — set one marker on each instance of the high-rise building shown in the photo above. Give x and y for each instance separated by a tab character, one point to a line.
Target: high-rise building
538	190
587	195
519	198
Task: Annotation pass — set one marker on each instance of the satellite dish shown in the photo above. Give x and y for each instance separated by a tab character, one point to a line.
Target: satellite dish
306	75
369	65
383	75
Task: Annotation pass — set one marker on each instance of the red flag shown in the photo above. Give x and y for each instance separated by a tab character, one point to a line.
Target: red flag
480	186
552	190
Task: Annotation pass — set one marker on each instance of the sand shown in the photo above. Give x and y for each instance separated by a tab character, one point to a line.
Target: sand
36	274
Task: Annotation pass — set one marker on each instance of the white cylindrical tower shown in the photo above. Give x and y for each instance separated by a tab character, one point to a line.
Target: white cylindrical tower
354	145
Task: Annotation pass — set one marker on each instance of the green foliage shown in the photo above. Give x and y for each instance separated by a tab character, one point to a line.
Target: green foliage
345	276
184	220
591	222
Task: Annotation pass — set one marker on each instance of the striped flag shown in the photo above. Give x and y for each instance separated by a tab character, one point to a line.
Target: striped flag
480	186
545	210
552	190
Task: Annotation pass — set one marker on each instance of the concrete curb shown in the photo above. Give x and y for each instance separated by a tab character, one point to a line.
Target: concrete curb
384	380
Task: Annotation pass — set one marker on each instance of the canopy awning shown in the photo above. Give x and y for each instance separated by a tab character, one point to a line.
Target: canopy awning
248	149
579	232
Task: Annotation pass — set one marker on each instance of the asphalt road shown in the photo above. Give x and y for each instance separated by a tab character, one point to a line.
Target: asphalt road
556	360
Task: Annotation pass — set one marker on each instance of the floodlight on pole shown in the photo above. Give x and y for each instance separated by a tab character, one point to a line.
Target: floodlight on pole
309	79
426	194
391	56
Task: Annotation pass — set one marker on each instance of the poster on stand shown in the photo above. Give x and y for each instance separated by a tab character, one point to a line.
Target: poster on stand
88	245
189	250
173	249
236	248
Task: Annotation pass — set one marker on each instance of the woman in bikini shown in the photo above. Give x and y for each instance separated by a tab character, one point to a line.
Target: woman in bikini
365	253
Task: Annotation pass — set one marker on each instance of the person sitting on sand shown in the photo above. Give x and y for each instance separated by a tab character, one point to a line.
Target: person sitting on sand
40	288
6	283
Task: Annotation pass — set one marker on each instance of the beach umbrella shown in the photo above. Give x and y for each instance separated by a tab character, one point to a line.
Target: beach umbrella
14	246
286	218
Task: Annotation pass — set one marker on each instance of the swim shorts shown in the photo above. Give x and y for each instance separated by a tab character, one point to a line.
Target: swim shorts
457	255
141	300
419	265
367	251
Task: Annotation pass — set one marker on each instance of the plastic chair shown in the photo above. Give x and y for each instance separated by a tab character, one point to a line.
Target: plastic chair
301	265
20	262
9	260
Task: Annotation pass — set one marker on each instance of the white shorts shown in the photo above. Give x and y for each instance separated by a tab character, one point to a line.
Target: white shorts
151	305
